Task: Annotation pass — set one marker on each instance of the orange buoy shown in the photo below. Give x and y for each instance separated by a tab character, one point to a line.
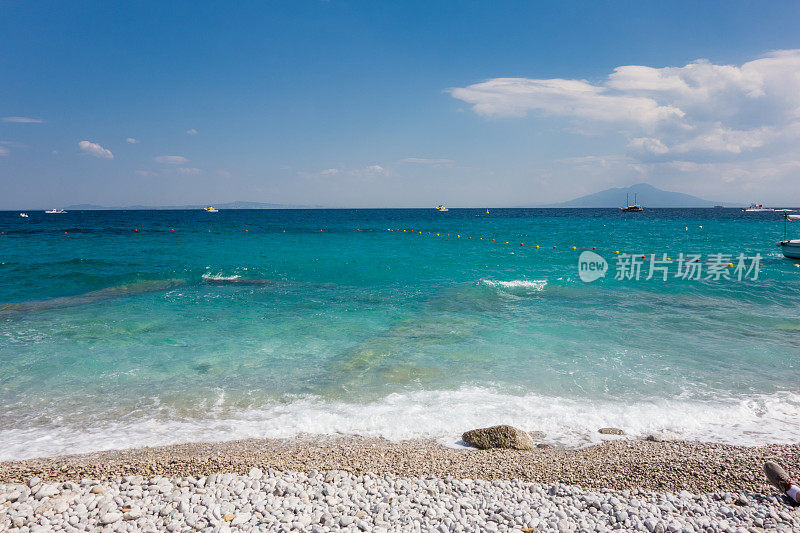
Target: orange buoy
537	246
554	247
594	247
522	244
246	230
173	229
574	248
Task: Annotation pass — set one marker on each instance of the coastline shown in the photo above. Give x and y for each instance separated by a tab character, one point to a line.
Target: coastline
319	484
623	464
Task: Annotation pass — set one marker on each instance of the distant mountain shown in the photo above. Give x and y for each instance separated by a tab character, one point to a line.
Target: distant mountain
646	194
229	205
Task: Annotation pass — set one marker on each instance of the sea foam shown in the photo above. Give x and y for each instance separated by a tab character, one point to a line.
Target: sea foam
441	415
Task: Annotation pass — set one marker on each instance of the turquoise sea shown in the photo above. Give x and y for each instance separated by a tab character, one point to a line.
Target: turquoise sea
132	328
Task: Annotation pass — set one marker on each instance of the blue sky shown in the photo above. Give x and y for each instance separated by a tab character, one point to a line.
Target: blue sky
407	104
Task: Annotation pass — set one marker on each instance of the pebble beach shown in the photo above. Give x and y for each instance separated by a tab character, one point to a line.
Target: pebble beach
358	484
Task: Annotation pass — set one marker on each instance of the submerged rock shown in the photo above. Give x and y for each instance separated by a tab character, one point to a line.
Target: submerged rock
498	437
611	431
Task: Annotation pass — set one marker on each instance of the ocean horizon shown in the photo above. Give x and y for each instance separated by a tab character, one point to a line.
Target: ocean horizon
123	329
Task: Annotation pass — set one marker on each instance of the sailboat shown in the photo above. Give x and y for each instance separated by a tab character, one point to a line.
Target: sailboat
635	208
790	247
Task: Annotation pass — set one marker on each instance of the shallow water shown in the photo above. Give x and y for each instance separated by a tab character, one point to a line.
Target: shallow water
257	324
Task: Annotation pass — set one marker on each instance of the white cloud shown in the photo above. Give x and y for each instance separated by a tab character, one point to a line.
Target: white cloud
427	161
364	172
131	140
4	151
374	170
224	174
171	159
146	173
192	132
188	171
330	172
702	122
23	120
95	150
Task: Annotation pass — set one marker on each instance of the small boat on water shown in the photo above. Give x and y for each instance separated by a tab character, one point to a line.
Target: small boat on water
55	211
211	209
635	208
24	215
790	247
441	207
757	208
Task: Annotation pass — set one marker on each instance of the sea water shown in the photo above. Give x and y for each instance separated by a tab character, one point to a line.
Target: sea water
133	328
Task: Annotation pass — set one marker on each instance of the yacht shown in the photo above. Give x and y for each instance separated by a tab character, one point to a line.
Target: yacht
24	215
55	211
441	207
635	208
757	208
211	209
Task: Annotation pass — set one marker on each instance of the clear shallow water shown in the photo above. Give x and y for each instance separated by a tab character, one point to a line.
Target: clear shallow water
111	337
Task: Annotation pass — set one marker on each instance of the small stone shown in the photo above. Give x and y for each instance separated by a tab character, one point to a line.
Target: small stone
98	489
610	431
110	518
229	517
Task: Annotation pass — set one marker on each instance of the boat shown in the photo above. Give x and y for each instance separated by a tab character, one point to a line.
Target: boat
211	209
719	207
487	211
790	247
55	211
757	208
24	215
635	208
441	207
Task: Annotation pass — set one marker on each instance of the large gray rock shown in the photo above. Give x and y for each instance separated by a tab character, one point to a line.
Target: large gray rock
498	437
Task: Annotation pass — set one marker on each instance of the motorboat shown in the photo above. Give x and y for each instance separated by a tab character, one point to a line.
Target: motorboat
635	208
55	211
211	209
757	208
441	207
790	247
24	215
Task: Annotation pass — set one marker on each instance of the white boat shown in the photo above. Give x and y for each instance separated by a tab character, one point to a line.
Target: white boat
441	207
211	209
24	215
55	211
790	247
757	208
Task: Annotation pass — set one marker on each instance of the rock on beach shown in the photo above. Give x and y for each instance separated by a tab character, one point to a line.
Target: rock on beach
503	436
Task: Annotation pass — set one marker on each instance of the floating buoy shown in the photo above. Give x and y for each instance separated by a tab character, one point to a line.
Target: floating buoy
246	230
617	252
173	229
574	248
458	236
730	265
644	257
554	247
537	246
697	260
137	229
2	232
521	244
492	240
209	231
437	234
594	247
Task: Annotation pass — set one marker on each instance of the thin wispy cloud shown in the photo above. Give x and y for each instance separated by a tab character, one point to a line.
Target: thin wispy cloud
171	159
192	132
94	150
188	171
427	161
131	140
23	120
4	151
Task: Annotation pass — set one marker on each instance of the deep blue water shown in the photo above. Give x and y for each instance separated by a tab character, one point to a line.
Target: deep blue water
125	328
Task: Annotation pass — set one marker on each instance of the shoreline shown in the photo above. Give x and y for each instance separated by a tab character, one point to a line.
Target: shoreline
624	464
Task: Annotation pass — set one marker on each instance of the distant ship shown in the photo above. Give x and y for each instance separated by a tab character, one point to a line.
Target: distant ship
635	208
55	211
441	207
757	208
24	215
211	209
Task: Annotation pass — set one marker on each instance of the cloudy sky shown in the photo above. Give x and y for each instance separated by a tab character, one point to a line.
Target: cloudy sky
376	104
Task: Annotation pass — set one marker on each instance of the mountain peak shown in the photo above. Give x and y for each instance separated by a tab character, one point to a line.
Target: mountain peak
646	195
